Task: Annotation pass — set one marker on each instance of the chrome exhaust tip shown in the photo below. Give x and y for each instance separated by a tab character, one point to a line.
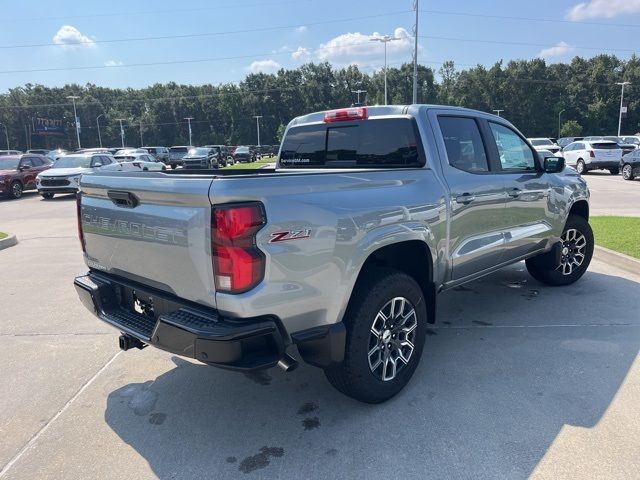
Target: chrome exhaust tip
288	363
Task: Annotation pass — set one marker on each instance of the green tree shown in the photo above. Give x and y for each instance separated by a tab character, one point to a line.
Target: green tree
570	128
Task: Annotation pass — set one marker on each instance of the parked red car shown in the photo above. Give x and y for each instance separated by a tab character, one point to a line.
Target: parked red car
18	173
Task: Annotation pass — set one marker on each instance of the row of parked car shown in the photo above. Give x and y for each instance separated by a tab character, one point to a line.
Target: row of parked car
612	153
58	171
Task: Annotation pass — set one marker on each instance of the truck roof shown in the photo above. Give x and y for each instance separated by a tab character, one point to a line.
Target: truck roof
386	110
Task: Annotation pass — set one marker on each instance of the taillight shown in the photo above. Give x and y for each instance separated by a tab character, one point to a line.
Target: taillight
344	114
238	264
79	215
592	154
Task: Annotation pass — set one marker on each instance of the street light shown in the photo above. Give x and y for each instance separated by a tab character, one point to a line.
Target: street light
559	128
121	130
621	104
6	134
258	117
384	39
188	119
75	118
98	124
358	92
498	111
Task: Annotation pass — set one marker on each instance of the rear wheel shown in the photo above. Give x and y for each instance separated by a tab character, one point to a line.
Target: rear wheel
577	250
614	171
47	195
16	189
386	326
627	172
580	167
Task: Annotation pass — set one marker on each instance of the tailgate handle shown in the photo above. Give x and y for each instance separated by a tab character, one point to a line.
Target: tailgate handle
123	199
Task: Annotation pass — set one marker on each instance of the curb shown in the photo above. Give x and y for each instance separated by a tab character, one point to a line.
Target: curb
7	242
618	260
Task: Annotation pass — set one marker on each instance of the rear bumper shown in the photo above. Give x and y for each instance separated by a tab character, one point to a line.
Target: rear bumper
181	327
603	164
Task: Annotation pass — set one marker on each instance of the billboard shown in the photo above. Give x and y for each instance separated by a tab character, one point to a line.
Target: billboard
48	126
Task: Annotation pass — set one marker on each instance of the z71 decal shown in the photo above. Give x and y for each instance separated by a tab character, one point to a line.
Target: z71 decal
291	235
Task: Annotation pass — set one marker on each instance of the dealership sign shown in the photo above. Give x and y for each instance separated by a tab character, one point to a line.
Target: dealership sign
48	126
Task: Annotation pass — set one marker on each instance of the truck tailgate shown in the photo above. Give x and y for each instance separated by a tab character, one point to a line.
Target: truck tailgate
151	228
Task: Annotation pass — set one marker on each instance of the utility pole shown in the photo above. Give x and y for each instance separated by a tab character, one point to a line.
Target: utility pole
75	118
358	92
415	56
621	104
6	134
385	39
188	119
121	130
258	117
498	111
98	124
559	127
26	135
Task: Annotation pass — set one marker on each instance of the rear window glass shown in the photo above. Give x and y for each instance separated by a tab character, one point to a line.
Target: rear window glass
366	144
178	149
605	146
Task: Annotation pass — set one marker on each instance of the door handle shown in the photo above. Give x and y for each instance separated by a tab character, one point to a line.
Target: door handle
514	193
465	198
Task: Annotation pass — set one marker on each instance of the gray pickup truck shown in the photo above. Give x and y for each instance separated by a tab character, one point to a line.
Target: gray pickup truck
339	252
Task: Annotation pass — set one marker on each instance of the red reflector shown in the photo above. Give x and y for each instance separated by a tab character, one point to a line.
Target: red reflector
592	154
79	216
344	114
238	264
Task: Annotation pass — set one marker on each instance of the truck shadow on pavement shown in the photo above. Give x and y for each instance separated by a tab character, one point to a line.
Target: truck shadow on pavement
509	363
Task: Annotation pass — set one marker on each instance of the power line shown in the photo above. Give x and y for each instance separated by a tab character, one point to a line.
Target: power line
530	19
200	35
154	12
526	44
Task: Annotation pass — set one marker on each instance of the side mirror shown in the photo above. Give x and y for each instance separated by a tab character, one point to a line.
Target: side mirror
553	164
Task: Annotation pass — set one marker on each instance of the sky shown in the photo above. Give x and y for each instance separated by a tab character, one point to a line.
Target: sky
135	44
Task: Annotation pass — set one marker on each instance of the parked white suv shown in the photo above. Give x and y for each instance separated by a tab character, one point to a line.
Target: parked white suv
593	155
130	160
544	144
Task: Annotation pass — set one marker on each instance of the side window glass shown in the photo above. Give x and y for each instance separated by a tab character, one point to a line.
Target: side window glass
96	162
36	162
462	139
26	162
514	153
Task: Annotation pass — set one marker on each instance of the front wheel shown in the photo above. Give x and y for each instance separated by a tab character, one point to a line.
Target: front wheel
16	190
576	245
386	326
614	171
580	167
627	172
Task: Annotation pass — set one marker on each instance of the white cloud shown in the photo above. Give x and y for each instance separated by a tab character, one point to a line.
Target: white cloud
264	66
559	49
302	29
602	9
357	48
301	54
113	63
71	37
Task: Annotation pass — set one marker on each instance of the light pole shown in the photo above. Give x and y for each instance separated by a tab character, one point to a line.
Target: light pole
141	141
98	124
121	130
415	56
6	134
75	118
384	39
559	128
621	104
258	117
188	119
358	92
498	111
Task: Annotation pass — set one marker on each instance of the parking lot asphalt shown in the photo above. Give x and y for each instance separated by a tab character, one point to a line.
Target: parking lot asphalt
612	195
517	380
